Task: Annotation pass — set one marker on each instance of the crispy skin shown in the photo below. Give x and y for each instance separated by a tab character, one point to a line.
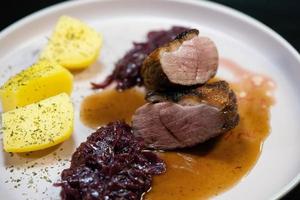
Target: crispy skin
220	95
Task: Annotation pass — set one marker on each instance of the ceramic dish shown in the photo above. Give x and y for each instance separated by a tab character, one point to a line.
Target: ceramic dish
237	36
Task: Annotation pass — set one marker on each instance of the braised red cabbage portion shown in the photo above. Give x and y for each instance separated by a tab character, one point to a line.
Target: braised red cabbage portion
127	70
111	164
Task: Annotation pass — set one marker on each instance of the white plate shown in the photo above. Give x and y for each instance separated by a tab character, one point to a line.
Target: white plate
237	36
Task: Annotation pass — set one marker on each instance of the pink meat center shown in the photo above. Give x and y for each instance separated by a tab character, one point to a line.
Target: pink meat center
194	62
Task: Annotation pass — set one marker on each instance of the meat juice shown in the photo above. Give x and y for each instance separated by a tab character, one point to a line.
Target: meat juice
210	168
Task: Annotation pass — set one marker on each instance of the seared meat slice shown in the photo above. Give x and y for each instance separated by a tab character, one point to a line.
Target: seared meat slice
187	60
186	118
147	124
170	125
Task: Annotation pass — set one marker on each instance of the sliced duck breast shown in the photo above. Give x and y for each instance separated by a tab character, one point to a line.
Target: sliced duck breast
186	118
187	60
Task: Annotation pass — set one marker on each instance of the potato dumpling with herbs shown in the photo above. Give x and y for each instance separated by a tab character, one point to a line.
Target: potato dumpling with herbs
38	82
38	126
73	44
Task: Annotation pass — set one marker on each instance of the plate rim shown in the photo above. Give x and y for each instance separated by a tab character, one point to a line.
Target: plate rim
206	4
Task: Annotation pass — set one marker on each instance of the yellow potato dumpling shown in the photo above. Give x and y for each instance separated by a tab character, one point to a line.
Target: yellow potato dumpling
73	44
36	83
38	126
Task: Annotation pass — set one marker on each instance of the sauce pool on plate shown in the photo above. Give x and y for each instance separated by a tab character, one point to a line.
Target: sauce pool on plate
208	169
110	105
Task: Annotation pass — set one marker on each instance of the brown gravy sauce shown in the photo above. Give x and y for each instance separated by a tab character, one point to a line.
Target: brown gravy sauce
211	168
110	105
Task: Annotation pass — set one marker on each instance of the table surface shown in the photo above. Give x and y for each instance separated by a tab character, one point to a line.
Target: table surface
281	16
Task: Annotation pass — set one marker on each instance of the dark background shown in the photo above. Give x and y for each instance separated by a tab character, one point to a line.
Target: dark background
283	16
